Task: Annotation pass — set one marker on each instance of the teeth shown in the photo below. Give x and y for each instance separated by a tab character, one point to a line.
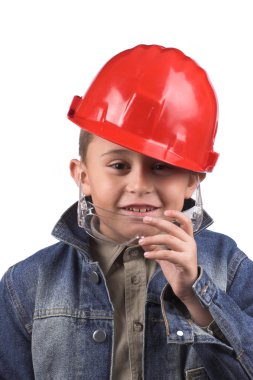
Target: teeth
134	209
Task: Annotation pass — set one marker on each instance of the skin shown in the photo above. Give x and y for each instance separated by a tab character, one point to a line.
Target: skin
129	183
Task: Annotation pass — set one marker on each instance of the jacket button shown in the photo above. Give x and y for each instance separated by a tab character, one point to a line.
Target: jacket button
94	277
99	336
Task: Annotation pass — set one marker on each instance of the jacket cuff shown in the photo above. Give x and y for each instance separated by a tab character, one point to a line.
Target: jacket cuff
204	288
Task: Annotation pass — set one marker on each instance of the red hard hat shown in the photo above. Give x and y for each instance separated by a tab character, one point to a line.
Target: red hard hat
155	101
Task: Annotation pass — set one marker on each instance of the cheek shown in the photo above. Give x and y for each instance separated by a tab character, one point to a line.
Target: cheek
103	192
174	194
101	185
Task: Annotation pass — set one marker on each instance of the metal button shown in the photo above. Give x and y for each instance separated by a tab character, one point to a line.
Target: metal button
99	336
94	277
204	290
138	326
180	333
135	280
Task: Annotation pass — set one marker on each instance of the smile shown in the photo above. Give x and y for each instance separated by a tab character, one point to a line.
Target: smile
140	209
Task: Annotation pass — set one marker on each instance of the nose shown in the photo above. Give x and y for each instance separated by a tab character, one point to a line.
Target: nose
139	181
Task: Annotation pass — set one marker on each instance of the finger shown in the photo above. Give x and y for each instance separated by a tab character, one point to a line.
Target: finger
171	256
184	221
166	226
163	240
149	247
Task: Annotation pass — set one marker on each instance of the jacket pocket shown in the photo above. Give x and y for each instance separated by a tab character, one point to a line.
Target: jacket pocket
196	374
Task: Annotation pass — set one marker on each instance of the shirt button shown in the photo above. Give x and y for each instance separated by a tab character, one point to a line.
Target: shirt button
94	277
180	333
133	253
138	326
99	336
135	280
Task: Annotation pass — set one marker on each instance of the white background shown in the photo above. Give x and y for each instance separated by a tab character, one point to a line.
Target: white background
51	50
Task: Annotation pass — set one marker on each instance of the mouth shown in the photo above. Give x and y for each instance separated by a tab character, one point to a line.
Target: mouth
139	210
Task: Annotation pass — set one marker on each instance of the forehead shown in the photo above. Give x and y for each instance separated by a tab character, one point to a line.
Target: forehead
100	147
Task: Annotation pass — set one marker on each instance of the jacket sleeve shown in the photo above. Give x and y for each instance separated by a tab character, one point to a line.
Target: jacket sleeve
15	334
232	311
226	348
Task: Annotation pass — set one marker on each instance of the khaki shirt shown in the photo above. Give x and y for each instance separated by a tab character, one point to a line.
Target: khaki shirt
127	273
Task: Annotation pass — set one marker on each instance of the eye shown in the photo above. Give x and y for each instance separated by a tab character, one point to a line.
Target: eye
119	166
163	168
159	166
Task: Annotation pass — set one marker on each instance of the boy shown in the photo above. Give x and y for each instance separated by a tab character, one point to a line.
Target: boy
136	289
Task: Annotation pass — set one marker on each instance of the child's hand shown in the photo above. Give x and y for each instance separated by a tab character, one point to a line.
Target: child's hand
176	252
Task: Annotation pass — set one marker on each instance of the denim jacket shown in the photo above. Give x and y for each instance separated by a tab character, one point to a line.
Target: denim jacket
56	317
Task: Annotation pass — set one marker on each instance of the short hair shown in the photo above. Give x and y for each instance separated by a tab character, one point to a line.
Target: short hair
85	138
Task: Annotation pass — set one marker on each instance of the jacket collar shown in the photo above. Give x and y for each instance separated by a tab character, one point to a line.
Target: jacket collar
68	231
206	222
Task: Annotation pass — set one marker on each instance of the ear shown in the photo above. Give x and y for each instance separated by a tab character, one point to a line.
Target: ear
78	172
74	167
194	180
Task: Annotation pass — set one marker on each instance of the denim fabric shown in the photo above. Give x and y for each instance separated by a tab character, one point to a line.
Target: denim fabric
56	321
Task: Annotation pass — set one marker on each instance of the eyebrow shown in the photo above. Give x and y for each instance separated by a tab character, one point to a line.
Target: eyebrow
115	151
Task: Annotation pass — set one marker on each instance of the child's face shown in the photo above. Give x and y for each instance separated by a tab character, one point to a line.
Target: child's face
129	183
